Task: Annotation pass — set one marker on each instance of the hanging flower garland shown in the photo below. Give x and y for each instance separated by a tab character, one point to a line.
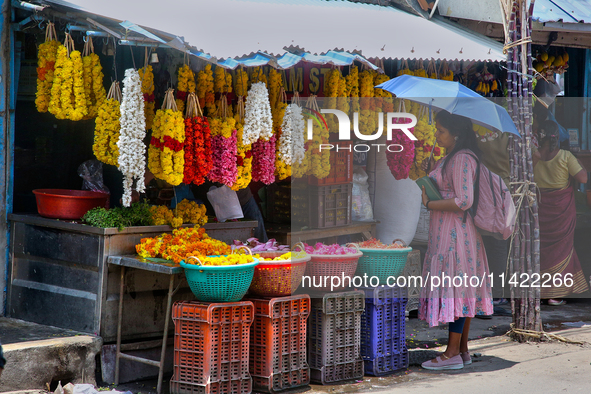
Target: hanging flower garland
68	98
166	157
205	91
318	160
46	59
243	161
290	149
197	145
367	116
258	76
425	134
331	93
400	163
133	130
258	121
93	80
186	85
223	86
352	88
107	129
278	102
241	90
263	163
343	95
147	78
223	151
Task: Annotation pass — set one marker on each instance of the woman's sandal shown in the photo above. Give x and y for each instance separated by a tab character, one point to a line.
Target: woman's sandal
442	362
554	302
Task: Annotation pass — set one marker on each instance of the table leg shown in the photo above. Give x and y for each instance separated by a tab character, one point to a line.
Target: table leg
119	318
165	336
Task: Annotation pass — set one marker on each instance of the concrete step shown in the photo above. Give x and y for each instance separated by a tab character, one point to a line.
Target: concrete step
39	356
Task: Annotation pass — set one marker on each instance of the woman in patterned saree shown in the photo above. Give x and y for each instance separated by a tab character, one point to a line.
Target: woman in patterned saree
553	169
455	247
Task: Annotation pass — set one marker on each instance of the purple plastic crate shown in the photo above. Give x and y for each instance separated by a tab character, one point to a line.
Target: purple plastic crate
383	325
387	364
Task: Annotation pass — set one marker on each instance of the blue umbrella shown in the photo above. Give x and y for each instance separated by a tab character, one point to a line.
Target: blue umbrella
452	97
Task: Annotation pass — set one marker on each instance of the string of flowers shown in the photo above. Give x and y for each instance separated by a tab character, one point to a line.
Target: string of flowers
223	86
258	120
205	91
331	93
290	149
223	151
243	161
107	127
147	78
343	95
257	76
352	88
93	80
400	163
68	98
185	85
278	102
425	134
318	160
263	163
166	157
241	90
367	116
46	59
197	144
131	140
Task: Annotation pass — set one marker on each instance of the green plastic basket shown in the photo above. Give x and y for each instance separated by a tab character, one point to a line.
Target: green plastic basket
382	263
227	283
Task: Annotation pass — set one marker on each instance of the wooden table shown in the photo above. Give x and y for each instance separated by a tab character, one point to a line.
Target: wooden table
284	235
159	267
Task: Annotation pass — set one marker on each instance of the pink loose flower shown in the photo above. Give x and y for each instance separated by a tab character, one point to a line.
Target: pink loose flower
334	249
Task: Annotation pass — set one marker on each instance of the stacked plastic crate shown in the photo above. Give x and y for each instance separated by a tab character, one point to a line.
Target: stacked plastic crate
383	330
278	357
211	347
326	202
334	337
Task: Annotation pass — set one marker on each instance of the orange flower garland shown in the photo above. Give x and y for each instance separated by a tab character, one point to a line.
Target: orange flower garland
197	147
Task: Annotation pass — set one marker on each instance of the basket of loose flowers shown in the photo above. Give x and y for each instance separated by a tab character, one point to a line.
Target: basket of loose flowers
279	273
331	261
220	278
382	260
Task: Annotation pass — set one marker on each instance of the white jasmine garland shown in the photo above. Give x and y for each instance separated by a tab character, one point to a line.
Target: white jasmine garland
132	162
291	143
258	121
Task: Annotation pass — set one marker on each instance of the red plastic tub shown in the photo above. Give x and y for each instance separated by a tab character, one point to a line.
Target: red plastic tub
68	204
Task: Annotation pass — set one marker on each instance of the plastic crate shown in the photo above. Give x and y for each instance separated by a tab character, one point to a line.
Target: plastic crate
329	374
278	204
341	165
211	347
278	356
334	336
387	364
321	206
383	330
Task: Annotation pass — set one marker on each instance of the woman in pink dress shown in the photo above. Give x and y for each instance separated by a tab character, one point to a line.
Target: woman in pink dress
457	286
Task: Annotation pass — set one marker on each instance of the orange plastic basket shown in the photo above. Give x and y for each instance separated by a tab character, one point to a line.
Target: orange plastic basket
277	278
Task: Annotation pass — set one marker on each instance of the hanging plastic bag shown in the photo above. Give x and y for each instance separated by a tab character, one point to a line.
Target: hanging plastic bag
91	172
362	209
225	203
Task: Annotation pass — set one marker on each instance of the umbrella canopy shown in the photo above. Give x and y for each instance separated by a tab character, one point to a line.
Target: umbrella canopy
452	97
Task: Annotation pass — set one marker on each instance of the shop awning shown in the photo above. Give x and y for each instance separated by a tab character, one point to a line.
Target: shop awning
259	32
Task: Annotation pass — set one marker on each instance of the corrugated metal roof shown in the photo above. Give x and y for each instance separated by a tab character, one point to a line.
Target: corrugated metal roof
237	28
567	11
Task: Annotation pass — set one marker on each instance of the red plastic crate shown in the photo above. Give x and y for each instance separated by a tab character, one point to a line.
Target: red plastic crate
211	347
278	357
341	165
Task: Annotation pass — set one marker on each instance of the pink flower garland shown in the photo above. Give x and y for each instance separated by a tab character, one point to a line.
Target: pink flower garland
400	163
263	161
223	152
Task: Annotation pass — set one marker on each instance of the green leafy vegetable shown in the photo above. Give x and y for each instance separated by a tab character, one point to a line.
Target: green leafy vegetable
138	214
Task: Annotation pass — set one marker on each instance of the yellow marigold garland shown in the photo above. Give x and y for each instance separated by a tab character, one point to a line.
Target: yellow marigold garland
243	162
258	76
331	93
205	91
46	59
186	85
166	158
147	78
106	132
68	97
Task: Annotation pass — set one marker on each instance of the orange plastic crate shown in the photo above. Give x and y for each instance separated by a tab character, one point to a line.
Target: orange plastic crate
278	353
211	347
